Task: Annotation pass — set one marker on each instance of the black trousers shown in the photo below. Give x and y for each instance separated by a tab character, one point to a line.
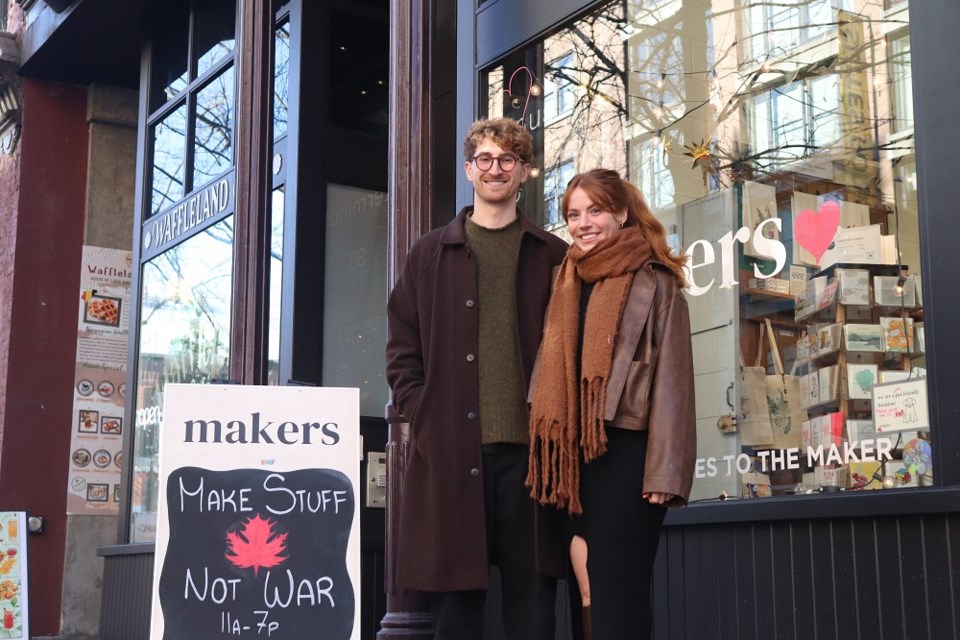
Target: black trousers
528	598
622	531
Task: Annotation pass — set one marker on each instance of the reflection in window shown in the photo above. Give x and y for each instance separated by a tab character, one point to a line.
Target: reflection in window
777	29
276	285
558	95
656	90
901	81
773	117
213	131
554	184
168	138
797	120
184	338
214	32
824	97
281	79
354	286
653	176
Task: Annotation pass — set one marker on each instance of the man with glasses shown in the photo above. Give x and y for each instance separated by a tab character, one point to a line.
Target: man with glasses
465	320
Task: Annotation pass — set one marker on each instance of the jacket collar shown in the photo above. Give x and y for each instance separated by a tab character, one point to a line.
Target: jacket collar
455	232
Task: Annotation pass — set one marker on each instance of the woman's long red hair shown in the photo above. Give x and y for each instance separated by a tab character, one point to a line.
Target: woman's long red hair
612	193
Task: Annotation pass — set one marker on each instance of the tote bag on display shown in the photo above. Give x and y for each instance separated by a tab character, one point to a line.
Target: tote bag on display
783	402
753	422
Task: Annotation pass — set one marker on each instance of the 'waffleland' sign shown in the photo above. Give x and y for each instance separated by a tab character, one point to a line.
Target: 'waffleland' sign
258	523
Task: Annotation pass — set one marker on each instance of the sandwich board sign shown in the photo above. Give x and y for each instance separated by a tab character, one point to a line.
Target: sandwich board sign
258	528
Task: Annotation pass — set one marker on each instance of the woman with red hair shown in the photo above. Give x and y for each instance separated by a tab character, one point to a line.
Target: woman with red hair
613	424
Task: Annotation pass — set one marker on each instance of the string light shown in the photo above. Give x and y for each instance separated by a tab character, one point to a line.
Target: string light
898	289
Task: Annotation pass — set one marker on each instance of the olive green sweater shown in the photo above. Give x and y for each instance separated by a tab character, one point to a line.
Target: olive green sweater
503	403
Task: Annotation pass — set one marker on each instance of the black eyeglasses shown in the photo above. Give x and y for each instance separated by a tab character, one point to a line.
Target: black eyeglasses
485	162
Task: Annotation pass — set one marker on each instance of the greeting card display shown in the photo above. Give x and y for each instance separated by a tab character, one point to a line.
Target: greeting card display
853	286
863	337
897	334
860	380
890	292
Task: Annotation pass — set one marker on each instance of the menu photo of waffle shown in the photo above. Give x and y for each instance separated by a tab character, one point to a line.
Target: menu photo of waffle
100	309
88	421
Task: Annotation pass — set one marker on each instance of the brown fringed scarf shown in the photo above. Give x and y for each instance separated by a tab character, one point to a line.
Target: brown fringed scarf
567	415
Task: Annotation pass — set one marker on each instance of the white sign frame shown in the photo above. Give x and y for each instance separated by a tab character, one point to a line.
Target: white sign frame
263	433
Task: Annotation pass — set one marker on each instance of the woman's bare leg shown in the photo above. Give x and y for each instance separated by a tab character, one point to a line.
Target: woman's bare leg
578	559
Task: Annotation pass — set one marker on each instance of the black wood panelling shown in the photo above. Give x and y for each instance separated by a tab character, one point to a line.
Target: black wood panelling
125	597
884	578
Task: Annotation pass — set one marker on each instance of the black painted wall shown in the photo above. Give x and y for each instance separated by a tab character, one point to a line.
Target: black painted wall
895	578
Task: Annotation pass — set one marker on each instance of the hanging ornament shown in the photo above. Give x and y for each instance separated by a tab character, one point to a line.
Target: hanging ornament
700	152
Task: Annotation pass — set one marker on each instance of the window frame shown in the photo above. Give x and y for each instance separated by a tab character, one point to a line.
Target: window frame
145	216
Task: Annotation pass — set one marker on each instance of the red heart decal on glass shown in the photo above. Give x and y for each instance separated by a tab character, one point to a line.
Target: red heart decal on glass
815	231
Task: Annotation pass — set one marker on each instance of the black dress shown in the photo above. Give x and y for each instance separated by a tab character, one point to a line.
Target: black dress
621	530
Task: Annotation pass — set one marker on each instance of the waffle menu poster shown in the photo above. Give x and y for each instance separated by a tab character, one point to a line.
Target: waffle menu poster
258	522
99	384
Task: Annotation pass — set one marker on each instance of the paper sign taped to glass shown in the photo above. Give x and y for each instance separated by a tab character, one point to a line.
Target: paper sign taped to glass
901	406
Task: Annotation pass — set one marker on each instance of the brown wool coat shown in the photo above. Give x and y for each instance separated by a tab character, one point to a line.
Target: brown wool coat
432	329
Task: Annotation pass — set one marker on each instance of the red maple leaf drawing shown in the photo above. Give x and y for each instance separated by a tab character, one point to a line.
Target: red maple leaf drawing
255	544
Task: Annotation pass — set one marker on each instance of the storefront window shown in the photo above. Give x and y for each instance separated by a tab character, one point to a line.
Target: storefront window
774	142
169	151
168	63
357	79
276	284
190	149
213	129
184	338
354	286
281	89
214	32
281	79
186	234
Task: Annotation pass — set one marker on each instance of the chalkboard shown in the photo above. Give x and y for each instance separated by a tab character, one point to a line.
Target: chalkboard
253	552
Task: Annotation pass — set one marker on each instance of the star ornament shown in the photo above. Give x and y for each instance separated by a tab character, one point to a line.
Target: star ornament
698	151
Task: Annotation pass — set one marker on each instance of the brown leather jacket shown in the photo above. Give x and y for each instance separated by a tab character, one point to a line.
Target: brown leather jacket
651	380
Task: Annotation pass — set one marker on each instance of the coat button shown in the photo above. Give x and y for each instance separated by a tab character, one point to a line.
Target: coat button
471	415
471	357
470	304
475	472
